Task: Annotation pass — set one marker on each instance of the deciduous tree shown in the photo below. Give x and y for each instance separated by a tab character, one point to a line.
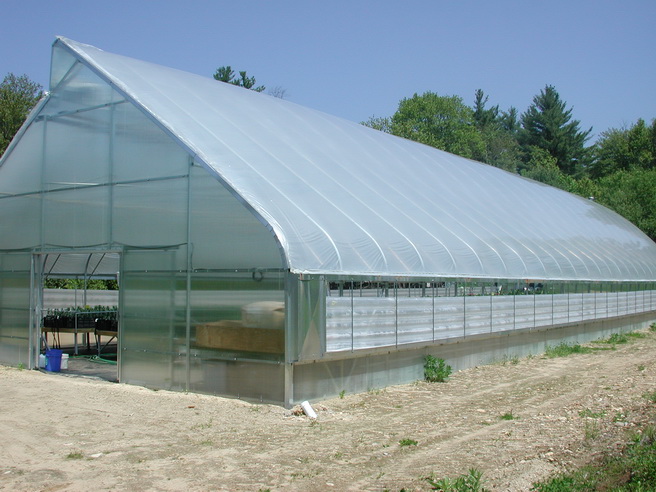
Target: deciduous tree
444	122
18	95
625	149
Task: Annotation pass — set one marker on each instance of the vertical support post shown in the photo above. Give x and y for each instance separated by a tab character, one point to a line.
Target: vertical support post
396	314
433	295
491	308
464	311
188	281
352	318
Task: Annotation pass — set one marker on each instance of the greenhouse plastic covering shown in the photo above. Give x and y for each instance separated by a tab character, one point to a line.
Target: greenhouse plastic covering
343	198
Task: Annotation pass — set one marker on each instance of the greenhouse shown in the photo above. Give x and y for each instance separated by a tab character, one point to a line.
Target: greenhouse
267	251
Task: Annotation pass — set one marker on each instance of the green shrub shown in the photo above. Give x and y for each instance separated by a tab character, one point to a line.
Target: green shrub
470	482
564	349
436	370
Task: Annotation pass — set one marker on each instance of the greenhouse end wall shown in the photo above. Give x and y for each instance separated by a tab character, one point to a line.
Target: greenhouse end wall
92	173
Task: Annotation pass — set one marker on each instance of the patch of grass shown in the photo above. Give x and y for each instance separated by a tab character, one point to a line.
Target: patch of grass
619	338
652	327
592	430
407	442
590	414
651	396
206	425
641	367
508	416
74	455
616	338
472	481
564	349
632	470
436	370
341	394
20	366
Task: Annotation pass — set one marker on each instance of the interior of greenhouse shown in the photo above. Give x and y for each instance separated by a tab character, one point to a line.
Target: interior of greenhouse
228	242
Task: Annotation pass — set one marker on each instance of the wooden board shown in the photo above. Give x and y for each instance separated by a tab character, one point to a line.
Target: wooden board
232	335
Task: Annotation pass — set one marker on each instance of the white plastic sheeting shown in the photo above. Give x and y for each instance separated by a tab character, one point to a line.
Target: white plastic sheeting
343	198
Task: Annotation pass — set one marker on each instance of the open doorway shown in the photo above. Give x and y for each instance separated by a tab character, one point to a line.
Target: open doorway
76	313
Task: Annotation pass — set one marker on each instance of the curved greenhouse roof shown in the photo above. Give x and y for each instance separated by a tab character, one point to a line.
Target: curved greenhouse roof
343	198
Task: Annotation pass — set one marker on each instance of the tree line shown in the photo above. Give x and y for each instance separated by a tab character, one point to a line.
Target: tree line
544	143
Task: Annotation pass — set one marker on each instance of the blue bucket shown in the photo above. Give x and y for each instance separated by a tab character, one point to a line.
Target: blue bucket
53	360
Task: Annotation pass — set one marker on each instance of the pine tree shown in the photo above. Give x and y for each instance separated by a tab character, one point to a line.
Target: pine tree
548	125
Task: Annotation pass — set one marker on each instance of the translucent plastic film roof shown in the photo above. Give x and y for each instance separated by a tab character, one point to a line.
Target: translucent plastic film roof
343	198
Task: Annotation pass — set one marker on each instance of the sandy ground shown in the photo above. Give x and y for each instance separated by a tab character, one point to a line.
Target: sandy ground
66	433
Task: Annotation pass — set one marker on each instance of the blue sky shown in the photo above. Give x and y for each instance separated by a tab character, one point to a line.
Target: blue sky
357	59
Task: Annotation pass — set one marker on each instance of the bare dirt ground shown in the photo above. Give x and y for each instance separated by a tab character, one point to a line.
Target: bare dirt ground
65	433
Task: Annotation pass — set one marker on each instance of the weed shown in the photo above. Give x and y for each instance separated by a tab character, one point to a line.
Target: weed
641	367
470	482
20	366
407	442
616	338
509	416
338	455
206	443
341	394
652	327
590	414
632	470
75	455
651	396
436	370
591	430
202	426
564	349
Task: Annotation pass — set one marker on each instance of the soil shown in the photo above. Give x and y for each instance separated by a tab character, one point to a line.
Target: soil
77	434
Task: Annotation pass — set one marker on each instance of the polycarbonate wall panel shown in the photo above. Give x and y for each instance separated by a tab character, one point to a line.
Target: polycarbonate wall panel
21	170
77	218
224	233
237	317
77	149
150	213
81	89
153	321
21	222
372	318
141	149
60	65
14	308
